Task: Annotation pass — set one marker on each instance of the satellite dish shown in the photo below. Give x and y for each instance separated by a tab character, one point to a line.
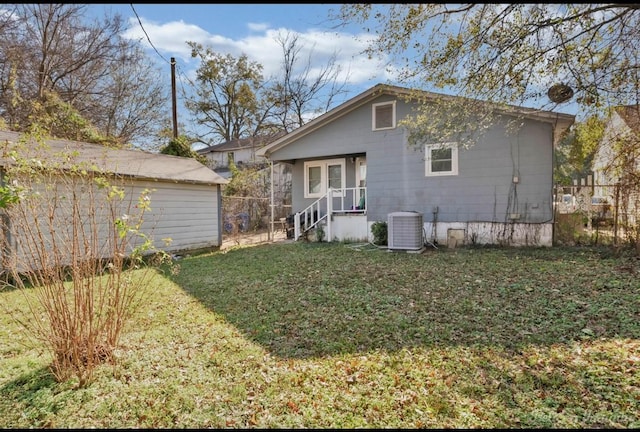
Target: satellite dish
559	93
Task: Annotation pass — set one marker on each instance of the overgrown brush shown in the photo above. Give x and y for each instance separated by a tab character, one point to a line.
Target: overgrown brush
71	232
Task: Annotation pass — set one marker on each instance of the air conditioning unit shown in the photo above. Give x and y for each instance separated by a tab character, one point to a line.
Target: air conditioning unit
404	230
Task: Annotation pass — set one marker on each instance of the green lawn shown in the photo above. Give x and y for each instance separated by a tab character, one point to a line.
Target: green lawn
321	335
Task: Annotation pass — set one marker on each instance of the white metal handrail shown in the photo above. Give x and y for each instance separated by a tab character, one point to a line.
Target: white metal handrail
348	200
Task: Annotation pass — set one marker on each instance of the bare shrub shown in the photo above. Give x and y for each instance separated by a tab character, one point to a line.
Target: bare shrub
71	233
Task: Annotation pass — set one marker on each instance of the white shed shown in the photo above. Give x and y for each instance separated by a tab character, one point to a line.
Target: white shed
184	195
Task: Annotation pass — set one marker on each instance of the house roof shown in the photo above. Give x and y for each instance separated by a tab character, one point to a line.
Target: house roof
560	121
131	163
240	144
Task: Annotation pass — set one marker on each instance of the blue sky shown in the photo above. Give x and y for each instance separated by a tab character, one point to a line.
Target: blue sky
250	29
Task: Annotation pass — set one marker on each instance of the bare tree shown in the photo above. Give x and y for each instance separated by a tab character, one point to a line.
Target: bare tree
233	100
303	91
55	49
135	99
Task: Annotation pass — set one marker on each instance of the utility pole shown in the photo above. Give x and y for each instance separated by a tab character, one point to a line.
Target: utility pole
173	97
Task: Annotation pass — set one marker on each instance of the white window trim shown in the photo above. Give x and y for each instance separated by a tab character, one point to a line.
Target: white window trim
454	159
323	164
393	115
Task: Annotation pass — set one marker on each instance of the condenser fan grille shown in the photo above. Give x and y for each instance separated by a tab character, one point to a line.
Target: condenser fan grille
405	230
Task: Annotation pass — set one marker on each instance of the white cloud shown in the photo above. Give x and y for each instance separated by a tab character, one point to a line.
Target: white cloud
258	27
261	46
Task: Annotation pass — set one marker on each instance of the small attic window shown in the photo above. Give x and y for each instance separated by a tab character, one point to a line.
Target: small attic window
384	115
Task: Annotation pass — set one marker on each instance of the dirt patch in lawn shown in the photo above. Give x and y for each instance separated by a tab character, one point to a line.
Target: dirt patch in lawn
252	238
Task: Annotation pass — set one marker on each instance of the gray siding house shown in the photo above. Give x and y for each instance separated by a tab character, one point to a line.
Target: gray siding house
185	196
353	167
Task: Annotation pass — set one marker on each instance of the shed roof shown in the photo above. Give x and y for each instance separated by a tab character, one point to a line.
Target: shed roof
131	163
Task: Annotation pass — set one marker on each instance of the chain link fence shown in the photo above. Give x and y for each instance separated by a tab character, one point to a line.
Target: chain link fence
254	211
243	216
596	214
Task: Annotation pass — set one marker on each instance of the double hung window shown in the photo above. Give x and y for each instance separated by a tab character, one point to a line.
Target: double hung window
441	159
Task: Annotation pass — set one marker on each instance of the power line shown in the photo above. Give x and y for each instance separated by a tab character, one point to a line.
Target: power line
180	71
145	33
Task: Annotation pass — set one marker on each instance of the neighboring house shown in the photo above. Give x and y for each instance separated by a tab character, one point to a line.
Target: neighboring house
617	174
185	197
241	151
498	191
